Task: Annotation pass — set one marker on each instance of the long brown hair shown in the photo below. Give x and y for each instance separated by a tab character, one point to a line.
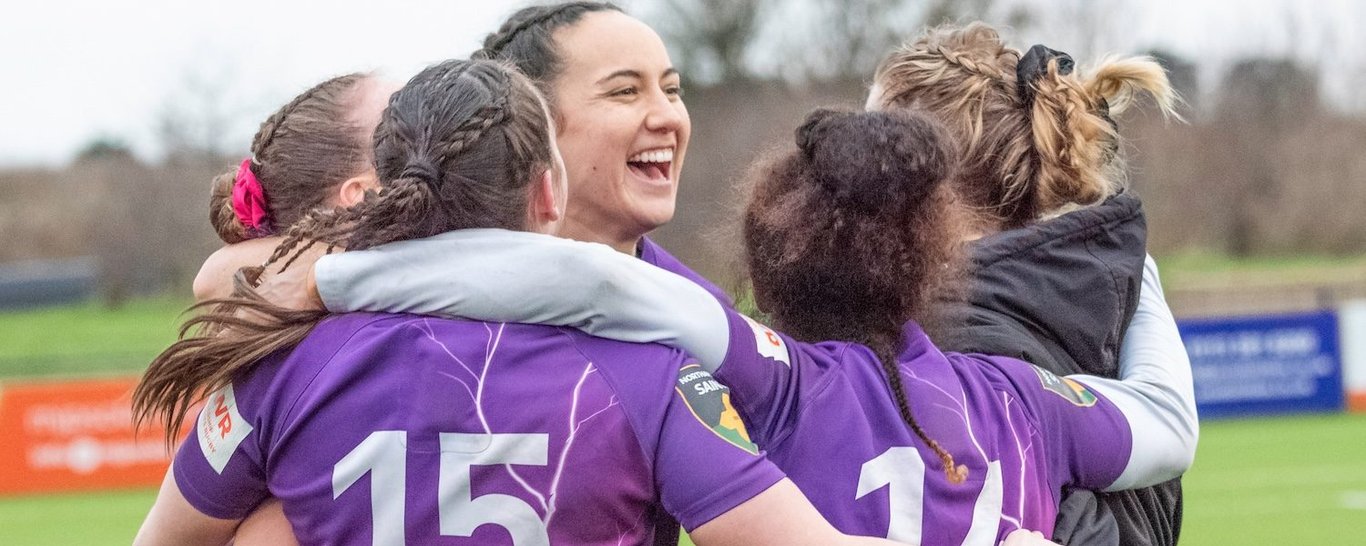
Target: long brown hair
458	147
303	150
1025	155
855	233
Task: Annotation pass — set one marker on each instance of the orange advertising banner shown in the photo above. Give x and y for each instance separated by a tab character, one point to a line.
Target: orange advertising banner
75	436
1356	401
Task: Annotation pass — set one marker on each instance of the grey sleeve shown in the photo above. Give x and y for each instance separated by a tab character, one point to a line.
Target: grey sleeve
510	276
1155	392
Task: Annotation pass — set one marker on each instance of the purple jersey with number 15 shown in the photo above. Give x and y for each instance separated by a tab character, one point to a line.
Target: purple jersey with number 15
826	417
389	429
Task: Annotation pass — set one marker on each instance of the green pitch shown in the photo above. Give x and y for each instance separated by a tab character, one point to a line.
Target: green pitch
1298	480
87	339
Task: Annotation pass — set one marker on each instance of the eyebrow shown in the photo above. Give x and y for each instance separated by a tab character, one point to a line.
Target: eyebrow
628	73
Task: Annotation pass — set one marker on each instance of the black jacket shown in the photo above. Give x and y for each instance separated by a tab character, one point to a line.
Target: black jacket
1060	294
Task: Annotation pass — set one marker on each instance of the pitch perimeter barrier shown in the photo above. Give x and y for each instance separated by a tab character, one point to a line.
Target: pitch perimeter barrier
75	436
1265	364
1352	324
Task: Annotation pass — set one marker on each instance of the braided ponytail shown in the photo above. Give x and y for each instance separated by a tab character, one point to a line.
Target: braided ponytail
1075	137
1032	145
460	146
300	153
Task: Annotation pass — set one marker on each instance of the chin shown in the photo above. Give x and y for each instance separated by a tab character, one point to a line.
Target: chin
655	215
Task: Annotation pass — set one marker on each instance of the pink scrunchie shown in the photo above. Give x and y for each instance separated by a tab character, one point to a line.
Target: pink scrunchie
249	200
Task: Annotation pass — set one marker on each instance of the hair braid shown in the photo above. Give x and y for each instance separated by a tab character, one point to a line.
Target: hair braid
423	194
1070	143
956	473
398	215
266	134
471	129
494	44
981	68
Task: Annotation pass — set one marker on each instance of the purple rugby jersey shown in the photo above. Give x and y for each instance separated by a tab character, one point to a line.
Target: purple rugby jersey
825	415
653	254
381	429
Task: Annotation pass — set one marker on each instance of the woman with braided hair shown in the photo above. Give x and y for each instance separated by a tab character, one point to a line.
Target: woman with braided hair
384	429
1058	248
314	152
852	237
621	123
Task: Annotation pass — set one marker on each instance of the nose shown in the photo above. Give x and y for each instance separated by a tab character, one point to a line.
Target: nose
665	115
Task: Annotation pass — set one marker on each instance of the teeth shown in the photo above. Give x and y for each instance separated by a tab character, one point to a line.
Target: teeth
665	155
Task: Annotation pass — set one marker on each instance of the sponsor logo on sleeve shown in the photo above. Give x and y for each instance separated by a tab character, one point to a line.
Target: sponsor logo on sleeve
221	428
1069	389
770	344
709	401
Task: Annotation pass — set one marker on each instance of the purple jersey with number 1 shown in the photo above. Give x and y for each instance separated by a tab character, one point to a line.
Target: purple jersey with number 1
393	429
826	417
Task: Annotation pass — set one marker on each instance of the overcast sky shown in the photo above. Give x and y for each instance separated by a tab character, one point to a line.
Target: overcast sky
74	70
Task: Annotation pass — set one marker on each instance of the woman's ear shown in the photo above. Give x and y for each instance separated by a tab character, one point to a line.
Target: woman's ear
546	203
352	191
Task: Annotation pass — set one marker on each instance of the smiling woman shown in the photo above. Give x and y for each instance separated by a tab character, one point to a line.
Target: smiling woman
617	100
624	129
621	122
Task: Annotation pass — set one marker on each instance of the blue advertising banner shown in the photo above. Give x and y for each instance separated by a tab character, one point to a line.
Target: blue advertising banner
1265	364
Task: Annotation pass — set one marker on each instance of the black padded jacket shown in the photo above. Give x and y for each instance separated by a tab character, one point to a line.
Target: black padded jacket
1060	294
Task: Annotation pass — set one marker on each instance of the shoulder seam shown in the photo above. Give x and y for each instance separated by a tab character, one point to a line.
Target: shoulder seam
635	434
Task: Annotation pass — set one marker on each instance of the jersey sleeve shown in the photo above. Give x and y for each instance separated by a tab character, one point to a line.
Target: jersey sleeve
707	463
220	467
581	285
1086	437
772	374
704	460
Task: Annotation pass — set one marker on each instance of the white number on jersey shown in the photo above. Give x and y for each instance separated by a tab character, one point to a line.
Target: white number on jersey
383	455
902	471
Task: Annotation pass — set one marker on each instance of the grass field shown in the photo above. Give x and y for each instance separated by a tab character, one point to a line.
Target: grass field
1296	480
87	339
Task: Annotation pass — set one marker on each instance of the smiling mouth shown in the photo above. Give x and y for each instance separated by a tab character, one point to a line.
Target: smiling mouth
653	165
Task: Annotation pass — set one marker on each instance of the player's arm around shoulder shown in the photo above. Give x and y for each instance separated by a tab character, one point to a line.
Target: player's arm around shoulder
781	515
214	279
1156	392
174	521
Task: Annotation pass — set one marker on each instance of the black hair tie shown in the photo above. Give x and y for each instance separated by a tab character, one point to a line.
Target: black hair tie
1034	65
422	170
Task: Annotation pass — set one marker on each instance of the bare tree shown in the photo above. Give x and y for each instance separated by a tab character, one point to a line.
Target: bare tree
711	37
199	119
717	41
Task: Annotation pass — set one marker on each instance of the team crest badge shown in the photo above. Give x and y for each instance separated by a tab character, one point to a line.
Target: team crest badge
1072	391
709	401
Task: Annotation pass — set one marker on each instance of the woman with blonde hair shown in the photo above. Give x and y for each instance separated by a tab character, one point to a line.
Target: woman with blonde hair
1058	245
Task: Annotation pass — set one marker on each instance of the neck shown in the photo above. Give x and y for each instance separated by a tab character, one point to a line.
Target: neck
599	232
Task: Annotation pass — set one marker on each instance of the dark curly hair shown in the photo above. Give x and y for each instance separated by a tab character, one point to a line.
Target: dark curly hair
856	232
